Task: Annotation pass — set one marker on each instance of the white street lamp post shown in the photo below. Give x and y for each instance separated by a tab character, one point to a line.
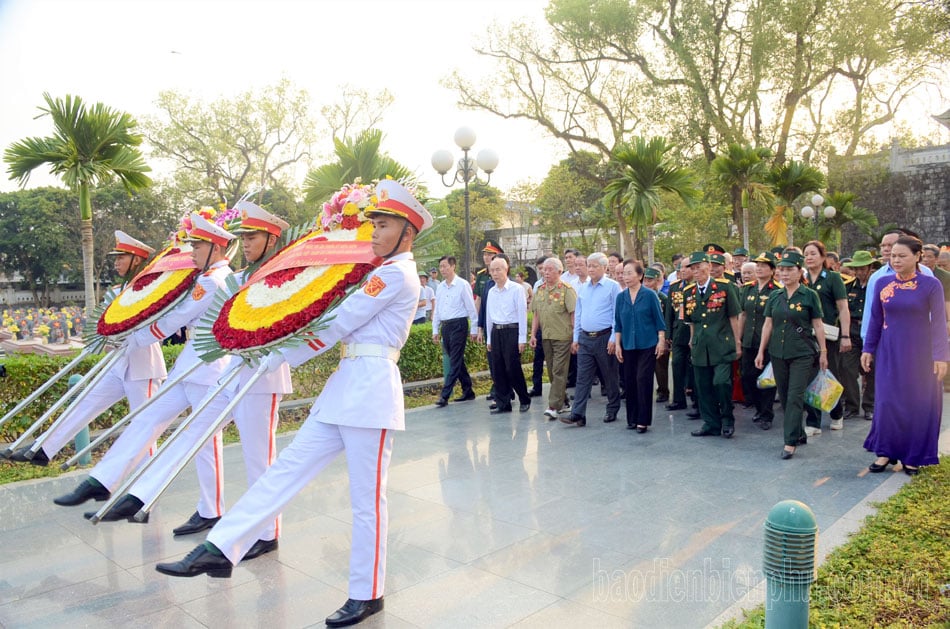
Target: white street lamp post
466	171
809	212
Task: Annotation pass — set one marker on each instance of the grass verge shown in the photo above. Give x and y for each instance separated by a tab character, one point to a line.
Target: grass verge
893	572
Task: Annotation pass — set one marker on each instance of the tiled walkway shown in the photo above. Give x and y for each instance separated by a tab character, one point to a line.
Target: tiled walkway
495	522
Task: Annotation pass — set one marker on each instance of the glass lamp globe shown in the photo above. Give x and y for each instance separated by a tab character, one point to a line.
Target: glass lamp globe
808	211
442	161
465	138
488	160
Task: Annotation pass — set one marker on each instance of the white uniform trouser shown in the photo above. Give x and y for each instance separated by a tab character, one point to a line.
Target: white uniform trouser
107	392
130	448
368	451
256	418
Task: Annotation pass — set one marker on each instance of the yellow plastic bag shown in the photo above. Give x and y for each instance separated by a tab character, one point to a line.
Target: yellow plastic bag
824	391
766	379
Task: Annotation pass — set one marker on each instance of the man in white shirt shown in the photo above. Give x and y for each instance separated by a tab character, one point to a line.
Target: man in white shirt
506	329
426	300
454	319
568	276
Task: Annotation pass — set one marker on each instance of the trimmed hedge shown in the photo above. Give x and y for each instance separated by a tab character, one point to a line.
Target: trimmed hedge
421	359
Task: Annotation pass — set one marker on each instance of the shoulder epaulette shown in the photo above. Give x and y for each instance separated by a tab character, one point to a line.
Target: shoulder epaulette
749	283
724	280
689	286
778	284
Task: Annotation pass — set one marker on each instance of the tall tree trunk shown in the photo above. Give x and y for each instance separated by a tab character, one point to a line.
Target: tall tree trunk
651	229
88	264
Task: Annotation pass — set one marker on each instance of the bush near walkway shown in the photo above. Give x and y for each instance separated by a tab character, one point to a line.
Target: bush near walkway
895	571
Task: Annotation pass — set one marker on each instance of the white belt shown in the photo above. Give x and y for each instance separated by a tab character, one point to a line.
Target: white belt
355	350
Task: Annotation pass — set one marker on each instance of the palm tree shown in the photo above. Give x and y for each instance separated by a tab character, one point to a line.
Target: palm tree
644	170
789	181
742	172
89	147
355	158
846	213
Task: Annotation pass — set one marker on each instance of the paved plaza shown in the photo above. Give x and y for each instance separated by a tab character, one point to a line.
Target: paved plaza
495	521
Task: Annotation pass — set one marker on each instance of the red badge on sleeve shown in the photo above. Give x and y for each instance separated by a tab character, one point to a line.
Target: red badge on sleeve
198	293
374	286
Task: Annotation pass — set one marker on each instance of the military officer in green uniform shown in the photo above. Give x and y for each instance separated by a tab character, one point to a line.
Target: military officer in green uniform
679	338
794	339
489	251
854	401
753	297
712	307
739	257
653	280
717	263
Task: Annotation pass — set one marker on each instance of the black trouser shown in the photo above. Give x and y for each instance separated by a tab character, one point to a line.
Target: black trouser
591	354
662	369
856	400
763	400
792	377
454	338
682	373
835	358
638	370
507	373
537	366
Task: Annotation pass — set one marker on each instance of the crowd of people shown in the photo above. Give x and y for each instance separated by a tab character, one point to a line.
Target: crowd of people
721	329
55	325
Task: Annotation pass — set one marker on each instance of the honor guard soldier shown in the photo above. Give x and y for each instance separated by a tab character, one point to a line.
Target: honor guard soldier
482	277
753	297
356	413
712	307
255	415
209	245
135	376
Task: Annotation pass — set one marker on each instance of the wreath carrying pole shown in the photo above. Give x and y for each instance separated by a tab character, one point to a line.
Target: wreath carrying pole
197	445
223	382
43	389
97	373
162	390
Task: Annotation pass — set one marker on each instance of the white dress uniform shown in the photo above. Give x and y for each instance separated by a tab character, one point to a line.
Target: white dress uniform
136	376
256	418
361	403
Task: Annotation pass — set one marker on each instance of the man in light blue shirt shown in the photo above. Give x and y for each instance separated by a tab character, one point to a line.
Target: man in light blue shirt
594	340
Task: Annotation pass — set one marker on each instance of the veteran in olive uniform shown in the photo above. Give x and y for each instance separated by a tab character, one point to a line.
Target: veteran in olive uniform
712	307
753	297
553	307
795	341
856	400
679	337
653	280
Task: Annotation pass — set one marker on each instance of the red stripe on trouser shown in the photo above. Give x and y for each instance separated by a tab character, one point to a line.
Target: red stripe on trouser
272	448
218	497
379	474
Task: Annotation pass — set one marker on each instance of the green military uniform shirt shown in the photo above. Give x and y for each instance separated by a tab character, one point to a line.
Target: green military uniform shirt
753	303
830	288
481	278
713	342
856	299
554	307
676	328
789	315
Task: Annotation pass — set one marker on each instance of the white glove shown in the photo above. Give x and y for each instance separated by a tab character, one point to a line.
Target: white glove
273	361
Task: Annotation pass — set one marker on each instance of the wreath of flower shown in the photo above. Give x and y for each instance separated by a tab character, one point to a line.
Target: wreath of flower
286	302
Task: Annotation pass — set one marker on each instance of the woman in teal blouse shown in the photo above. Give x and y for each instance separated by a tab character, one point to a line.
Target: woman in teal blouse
641	337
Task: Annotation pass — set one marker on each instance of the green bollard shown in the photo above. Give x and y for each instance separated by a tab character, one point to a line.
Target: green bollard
82	438
791	536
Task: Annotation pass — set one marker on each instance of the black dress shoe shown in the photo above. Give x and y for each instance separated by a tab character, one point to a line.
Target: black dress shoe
874	468
675	407
39	458
727	432
465	397
442	402
802	441
765	424
663	398
642	429
693	415
127	506
354	611
198	561
705	432
787	454
195	524
575	420
260	547
535	392
524	407
868	415
499	410
610	418
87	490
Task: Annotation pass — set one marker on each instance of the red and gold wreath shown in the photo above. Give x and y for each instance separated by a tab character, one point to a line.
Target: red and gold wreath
156	287
295	287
